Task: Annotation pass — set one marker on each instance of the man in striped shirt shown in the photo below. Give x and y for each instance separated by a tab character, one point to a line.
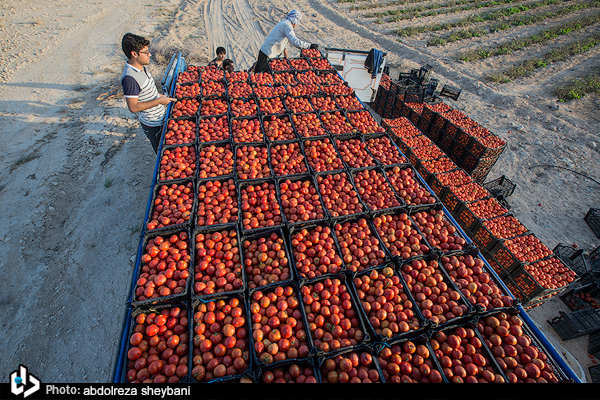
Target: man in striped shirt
140	89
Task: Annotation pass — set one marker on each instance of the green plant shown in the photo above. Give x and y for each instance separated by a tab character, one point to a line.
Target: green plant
108	181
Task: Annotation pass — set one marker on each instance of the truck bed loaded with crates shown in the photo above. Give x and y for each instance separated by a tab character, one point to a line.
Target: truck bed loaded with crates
325	223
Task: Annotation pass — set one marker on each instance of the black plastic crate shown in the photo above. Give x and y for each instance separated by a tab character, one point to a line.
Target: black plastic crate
502	260
594	371
594	349
451	92
500	187
577	323
523	286
594	266
586	296
267	373
242	190
301	179
466	219
480	150
571	257
354	352
593	220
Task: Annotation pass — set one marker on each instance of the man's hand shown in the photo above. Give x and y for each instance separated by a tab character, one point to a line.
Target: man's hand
314	46
164	100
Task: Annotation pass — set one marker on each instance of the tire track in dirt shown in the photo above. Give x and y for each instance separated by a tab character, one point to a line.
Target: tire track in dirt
234	25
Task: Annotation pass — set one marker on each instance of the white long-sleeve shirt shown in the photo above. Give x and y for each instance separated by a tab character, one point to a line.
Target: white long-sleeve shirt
278	39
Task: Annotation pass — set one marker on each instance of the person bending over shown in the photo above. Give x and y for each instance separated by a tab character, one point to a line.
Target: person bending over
139	88
278	39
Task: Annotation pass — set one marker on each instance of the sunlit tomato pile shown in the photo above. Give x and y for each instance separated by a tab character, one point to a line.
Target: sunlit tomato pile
332	317
221	340
243	108
324	103
299	104
303	90
336	90
278	128
399	236
320	63
159	347
172	205
240	89
278	327
330	78
308	77
217	203
285	78
237	76
315	252
259	205
177	163
404	182
336	123
214	107
279	65
215	161
428	152
454	178
212	88
246	130
165	267
185	108
311	53
475	282
374	190
262	79
213	129
300	200
350	367
338	195
180	132
435	297
438	230
270	91
388	307
354	153
551	273
359	246
405	132
364	122
192	90
491	142
385	151
349	103
252	162
322	156
212	74
288	159
218	266
520	359
505	227
470	192
487	208
299	64
308	125
407	362
294	373
188	76
272	105
527	248
461	354
442	164
266	260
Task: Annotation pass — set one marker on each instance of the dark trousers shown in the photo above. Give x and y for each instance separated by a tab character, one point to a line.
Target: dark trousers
262	63
153	133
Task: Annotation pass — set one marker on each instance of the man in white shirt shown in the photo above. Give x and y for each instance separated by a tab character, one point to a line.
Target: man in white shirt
278	39
139	88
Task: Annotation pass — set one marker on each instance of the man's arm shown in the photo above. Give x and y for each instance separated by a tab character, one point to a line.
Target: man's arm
285	53
136	106
294	41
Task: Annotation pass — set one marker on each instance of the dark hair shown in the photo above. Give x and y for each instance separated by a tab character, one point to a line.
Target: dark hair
227	63
221	50
133	42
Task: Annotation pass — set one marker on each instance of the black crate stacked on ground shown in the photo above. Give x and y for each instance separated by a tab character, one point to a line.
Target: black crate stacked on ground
577	323
575	298
592	218
594	344
595	373
500	187
451	92
572	258
526	288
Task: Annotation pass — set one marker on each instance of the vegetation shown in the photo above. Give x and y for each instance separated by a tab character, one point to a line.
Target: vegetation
579	87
